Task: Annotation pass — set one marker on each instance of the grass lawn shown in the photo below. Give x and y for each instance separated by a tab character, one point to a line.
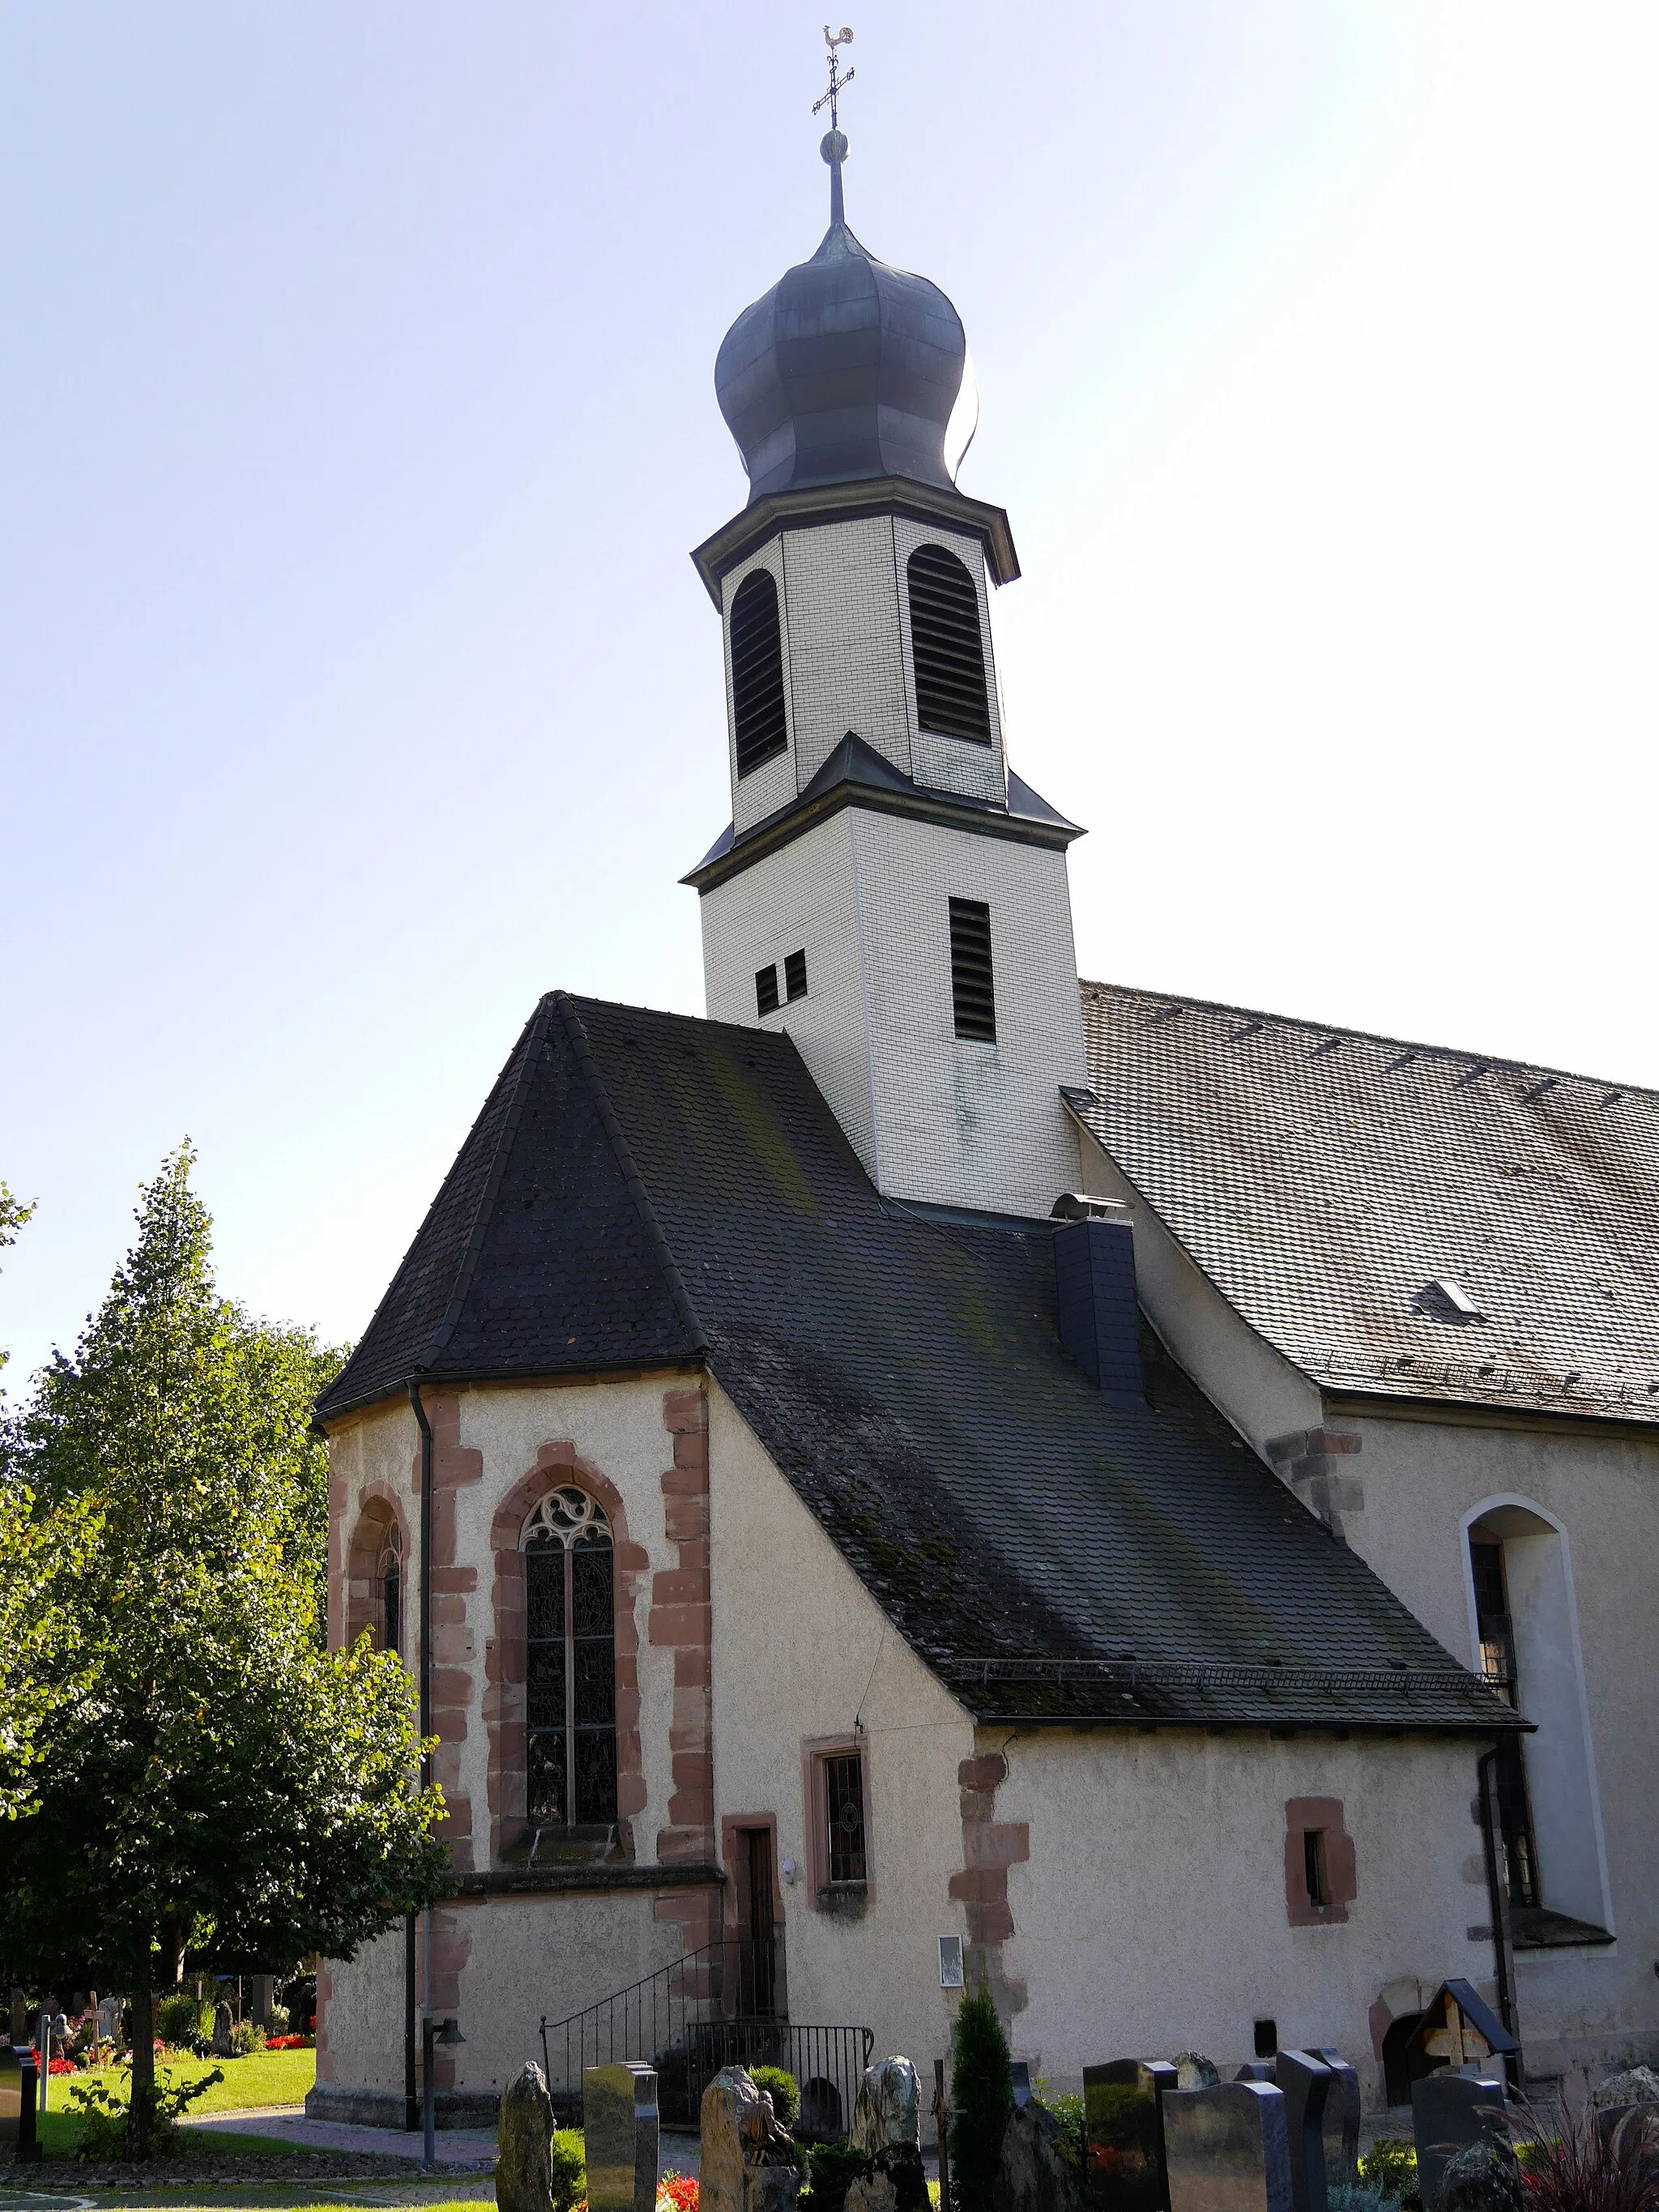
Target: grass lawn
263	2079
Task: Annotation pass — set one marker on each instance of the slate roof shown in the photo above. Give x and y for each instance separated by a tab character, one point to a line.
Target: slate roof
642	1189
1324	1179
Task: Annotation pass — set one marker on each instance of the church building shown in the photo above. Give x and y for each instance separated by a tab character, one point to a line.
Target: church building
943	1473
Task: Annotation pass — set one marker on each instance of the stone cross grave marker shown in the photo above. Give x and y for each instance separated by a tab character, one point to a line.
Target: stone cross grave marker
621	2135
1228	2148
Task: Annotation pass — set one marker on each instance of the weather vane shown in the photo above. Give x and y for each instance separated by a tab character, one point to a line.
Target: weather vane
837	82
834	148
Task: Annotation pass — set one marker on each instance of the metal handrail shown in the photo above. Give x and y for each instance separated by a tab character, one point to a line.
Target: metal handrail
720	2005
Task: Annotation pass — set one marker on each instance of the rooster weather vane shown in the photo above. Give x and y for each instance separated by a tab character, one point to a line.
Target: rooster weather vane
834	148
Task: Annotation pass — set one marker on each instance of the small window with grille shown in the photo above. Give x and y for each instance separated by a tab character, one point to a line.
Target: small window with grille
760	721
570	1686
794	977
972	995
766	988
390	1564
843	1794
946	648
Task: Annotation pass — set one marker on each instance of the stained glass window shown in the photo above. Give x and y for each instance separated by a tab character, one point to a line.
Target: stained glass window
570	1671
389	1573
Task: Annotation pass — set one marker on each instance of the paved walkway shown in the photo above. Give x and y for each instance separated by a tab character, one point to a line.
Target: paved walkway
288	2123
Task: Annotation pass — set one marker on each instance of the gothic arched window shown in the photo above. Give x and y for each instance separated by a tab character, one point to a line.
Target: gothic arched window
570	1715
946	647
760	724
389	1580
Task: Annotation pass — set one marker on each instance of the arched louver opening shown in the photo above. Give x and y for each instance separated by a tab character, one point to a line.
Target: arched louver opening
757	709
946	647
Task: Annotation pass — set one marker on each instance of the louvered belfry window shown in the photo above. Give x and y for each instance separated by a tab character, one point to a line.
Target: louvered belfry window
570	1686
973	993
758	708
946	647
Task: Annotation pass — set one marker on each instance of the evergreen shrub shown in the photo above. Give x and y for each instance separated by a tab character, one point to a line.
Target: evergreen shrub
833	2167
569	2166
782	2088
981	2101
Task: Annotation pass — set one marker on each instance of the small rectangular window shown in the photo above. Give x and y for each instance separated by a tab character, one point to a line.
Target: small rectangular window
843	1792
794	977
766	989
972	995
949	1962
1266	2038
1313	1866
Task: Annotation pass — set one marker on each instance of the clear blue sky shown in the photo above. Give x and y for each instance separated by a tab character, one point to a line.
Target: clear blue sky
356	418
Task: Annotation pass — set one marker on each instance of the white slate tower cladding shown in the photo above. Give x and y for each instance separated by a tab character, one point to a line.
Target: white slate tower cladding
889	892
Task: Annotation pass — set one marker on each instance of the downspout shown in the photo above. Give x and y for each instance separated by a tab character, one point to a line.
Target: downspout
1498	1891
412	2103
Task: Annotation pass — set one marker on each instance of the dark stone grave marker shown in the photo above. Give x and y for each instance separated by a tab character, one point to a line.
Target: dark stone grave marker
1449	2112
1228	2148
1123	2125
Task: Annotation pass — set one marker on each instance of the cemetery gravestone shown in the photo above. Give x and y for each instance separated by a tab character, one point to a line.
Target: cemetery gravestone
222	2026
1482	2176
524	2137
1123	2127
736	2133
1228	2148
621	2137
1035	2175
1306	2083
11	2098
887	2129
1342	2108
1449	2110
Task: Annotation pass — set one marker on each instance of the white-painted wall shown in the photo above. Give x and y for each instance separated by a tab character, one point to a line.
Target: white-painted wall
845	610
933	1116
802	1652
1580	1584
1153	1916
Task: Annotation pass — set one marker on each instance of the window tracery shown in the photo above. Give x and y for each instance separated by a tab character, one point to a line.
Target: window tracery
570	1672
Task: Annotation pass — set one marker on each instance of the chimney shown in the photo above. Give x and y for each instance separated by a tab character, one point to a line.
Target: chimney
1095	1279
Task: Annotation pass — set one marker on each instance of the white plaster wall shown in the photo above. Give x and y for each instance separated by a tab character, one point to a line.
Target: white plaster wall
845	612
802	897
802	1651
1422	1481
933	1116
1151	1914
961	1124
846	659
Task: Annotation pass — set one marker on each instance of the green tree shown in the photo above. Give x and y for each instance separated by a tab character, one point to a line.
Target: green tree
981	2101
216	1776
13	1214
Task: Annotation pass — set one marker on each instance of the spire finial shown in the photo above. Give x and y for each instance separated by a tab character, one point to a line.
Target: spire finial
833	145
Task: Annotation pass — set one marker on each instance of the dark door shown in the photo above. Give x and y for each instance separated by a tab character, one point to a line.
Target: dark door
762	1940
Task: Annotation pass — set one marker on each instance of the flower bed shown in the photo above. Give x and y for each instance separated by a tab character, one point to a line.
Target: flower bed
291	2043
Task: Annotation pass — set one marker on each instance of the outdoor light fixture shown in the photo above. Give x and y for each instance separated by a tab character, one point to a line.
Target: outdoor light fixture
433	2033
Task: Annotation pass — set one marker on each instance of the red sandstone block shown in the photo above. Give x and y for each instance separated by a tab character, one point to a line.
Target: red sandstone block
691	1666
980	1885
685	1521
691	1450
997	1844
683	1482
632	1559
561	1452
459	1580
976	1805
684	1409
989	1923
630	1793
987	1772
680	1624
692	1769
681	1586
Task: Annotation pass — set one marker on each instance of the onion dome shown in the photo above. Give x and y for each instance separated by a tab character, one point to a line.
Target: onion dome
846	369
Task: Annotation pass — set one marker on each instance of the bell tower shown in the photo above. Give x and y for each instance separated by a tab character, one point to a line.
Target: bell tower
887	890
